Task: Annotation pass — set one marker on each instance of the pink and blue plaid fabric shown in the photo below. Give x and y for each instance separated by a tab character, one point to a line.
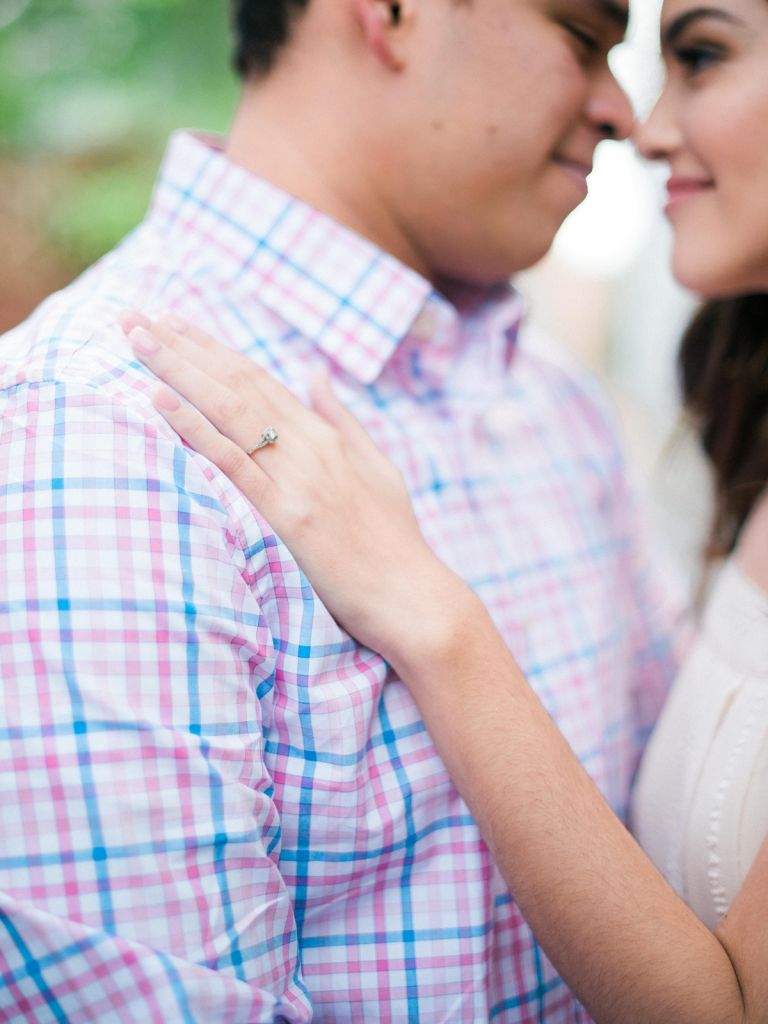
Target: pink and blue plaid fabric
215	806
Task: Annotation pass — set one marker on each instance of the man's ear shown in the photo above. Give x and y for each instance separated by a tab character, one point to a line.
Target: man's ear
385	24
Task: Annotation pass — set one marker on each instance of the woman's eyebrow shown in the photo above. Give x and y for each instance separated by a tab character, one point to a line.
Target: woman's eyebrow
672	32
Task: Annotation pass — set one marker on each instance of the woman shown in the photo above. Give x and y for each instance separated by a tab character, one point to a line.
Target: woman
628	946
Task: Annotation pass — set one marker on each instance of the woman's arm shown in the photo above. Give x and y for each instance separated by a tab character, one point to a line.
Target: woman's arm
626	944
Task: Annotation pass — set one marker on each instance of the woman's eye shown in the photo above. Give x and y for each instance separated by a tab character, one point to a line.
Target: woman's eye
695	59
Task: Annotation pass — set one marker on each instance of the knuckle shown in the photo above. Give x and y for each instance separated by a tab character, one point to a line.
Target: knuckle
329	442
235	377
298	517
228	409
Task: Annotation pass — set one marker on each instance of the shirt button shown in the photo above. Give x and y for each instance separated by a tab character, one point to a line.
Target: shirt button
427	323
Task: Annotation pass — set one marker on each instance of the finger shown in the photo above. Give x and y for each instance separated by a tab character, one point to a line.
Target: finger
215	359
201	435
190	331
326	403
130	318
246	380
250	387
240	420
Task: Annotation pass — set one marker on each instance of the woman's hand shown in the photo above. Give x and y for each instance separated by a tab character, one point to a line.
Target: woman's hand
325	488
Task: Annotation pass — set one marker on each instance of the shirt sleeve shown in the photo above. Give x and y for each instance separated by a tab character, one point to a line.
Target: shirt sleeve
139	846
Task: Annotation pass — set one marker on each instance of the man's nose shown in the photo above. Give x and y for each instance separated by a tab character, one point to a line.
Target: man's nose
609	108
657	136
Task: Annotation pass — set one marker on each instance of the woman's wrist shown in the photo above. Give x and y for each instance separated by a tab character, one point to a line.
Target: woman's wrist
441	624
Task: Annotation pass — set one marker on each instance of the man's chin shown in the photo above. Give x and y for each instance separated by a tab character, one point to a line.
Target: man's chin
487	269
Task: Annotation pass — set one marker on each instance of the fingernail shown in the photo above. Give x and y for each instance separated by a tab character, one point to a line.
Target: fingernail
166	400
129	319
143	342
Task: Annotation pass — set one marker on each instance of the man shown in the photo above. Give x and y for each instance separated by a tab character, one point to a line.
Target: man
217	807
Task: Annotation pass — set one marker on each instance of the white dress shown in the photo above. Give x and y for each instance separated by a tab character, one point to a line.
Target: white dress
701	802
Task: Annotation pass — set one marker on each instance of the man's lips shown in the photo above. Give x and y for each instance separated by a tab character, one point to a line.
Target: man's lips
680	188
578	169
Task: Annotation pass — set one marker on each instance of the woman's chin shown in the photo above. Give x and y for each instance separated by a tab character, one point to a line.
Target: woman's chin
709	284
712	279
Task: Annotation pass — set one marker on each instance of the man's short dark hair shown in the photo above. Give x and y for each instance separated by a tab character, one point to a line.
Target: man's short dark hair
261	27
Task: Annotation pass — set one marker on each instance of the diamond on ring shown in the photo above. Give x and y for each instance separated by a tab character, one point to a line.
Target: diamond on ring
269	436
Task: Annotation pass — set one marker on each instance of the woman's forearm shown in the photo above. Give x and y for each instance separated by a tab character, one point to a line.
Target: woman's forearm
625	943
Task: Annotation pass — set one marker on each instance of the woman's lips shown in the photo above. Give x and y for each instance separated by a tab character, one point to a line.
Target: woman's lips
680	188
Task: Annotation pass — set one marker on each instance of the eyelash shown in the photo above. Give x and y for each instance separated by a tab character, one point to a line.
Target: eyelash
697	58
588	42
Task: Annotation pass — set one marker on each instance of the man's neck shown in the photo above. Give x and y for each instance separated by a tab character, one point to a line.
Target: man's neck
287	140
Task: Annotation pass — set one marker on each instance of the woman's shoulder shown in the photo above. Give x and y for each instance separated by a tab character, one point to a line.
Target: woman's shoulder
752	549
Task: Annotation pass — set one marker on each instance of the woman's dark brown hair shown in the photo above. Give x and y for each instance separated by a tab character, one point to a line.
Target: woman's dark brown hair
723	367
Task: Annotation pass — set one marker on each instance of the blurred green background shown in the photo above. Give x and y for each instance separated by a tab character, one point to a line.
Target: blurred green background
89	92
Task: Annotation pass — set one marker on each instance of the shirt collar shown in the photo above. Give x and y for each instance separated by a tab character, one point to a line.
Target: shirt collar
355	301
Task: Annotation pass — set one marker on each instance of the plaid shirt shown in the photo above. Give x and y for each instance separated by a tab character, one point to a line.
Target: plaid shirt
216	806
